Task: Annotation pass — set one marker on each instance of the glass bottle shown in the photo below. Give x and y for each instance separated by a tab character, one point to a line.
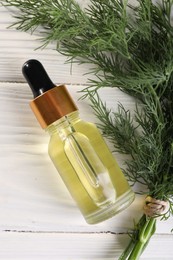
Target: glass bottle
77	150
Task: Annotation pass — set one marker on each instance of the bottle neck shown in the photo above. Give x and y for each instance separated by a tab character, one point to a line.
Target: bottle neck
52	105
64	126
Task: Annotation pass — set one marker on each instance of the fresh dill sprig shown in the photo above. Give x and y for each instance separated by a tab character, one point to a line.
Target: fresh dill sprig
131	48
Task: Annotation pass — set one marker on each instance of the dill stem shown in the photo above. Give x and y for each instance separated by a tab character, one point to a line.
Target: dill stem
137	251
158	104
145	234
127	251
137	244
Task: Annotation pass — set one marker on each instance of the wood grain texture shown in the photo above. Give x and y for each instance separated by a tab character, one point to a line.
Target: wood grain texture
38	218
17	47
84	246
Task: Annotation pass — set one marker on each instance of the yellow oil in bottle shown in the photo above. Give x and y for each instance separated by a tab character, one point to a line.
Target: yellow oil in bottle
88	169
77	149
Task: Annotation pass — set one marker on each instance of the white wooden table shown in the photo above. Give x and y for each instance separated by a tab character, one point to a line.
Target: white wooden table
38	218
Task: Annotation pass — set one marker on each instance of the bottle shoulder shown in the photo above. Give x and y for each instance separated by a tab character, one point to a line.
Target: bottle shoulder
84	125
91	131
88	129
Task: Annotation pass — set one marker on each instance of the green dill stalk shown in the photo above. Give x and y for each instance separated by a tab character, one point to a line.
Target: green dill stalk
131	48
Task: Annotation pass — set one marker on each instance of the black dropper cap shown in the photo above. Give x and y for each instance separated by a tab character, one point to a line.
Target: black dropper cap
37	77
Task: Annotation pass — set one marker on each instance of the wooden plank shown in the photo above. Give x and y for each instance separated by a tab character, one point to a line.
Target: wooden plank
63	246
17	47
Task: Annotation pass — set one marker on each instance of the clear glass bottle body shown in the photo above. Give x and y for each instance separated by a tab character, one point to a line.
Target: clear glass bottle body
88	168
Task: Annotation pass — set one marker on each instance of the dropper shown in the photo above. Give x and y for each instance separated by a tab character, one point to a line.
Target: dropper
50	102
